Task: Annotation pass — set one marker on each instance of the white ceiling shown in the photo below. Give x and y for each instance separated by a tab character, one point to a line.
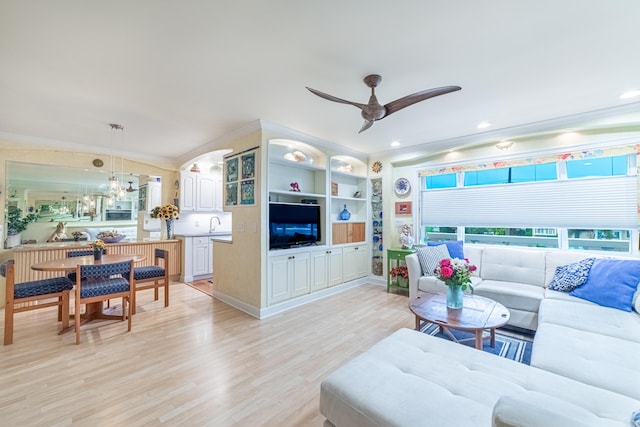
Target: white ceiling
178	75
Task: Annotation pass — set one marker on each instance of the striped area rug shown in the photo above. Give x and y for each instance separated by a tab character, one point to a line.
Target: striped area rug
511	345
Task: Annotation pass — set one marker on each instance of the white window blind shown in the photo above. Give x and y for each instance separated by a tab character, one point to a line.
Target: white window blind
605	202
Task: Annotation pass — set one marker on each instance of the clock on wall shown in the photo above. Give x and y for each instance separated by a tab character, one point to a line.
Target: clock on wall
402	186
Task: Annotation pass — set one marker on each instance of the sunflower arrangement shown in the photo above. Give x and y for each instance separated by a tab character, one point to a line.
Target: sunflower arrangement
165	212
99	245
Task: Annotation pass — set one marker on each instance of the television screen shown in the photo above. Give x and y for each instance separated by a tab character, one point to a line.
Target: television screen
293	225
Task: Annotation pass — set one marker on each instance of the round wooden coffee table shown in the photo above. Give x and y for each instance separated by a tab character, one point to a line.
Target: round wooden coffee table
478	314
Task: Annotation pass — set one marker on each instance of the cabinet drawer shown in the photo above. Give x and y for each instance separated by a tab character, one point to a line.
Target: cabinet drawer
201	240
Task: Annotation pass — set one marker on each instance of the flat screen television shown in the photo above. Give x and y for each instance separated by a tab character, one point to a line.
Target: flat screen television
292	225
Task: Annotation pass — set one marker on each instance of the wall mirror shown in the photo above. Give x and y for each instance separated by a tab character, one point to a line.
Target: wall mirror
60	193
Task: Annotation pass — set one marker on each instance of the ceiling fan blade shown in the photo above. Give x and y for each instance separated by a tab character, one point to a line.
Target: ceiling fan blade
408	100
334	98
367	124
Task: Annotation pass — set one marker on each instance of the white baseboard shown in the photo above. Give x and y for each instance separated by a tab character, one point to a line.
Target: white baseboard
263	313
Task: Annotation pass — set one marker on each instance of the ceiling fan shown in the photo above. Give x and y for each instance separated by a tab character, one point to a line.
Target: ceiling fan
131	189
374	111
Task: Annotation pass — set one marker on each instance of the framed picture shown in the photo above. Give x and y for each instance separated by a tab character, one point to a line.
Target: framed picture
334	188
249	166
403	208
247	192
232	169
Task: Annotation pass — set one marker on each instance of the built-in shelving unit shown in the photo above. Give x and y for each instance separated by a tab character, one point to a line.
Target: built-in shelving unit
330	182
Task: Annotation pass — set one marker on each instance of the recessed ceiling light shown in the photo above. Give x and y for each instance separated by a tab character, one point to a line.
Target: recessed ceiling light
395	144
630	94
483	125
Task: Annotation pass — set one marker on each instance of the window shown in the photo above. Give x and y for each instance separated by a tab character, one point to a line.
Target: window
599	166
529	173
440	234
447	180
599	240
540	205
511	236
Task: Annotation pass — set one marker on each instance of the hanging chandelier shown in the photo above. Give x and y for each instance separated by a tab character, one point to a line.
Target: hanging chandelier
116	189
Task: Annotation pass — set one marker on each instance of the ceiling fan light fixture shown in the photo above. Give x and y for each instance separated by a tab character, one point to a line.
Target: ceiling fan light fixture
374	111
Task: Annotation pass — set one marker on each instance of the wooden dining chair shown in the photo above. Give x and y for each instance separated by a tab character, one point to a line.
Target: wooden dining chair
152	277
44	293
99	282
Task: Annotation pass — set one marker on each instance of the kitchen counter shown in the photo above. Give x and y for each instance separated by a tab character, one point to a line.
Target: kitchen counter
216	236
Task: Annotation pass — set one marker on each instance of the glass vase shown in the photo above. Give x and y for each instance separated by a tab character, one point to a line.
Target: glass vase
454	297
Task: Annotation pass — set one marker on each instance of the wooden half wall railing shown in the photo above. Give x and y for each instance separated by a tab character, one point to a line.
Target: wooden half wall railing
25	258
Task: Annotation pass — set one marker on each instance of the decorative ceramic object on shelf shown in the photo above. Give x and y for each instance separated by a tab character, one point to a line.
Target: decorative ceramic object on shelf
195	168
344	215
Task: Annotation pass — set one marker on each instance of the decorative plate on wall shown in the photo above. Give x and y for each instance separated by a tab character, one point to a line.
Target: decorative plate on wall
402	186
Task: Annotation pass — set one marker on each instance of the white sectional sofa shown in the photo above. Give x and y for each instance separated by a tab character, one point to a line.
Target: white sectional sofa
585	364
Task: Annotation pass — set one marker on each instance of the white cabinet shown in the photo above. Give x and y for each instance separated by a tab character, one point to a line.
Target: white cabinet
355	262
289	276
198	258
199	192
201	256
150	196
326	268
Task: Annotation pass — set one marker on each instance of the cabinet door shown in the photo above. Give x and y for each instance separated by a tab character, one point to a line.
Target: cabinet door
188	187
335	267
301	269
362	263
200	257
355	262
320	269
279	281
217	196
205	193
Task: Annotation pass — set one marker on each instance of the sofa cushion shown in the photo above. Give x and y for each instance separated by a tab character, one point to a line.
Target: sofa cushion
570	276
533	409
410	379
603	361
611	283
512	295
455	247
557	258
513	265
591	318
430	257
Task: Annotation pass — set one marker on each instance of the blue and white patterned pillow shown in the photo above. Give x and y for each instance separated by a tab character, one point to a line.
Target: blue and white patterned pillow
570	276
430	256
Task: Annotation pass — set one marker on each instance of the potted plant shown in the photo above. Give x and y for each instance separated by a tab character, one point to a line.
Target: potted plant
16	224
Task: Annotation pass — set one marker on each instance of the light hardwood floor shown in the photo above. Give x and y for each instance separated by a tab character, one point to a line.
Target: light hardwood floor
198	362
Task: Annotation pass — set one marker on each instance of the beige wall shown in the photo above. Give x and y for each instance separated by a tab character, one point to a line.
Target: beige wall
238	267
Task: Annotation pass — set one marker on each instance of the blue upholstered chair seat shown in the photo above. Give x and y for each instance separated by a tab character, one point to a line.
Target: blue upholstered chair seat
42	287
147	272
98	287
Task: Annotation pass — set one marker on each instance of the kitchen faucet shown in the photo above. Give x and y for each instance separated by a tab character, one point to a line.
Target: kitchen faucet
211	226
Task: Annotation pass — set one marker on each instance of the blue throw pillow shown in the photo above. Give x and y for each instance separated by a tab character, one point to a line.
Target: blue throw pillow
611	283
570	276
454	247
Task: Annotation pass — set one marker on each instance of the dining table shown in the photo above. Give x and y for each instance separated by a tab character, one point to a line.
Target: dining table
95	310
